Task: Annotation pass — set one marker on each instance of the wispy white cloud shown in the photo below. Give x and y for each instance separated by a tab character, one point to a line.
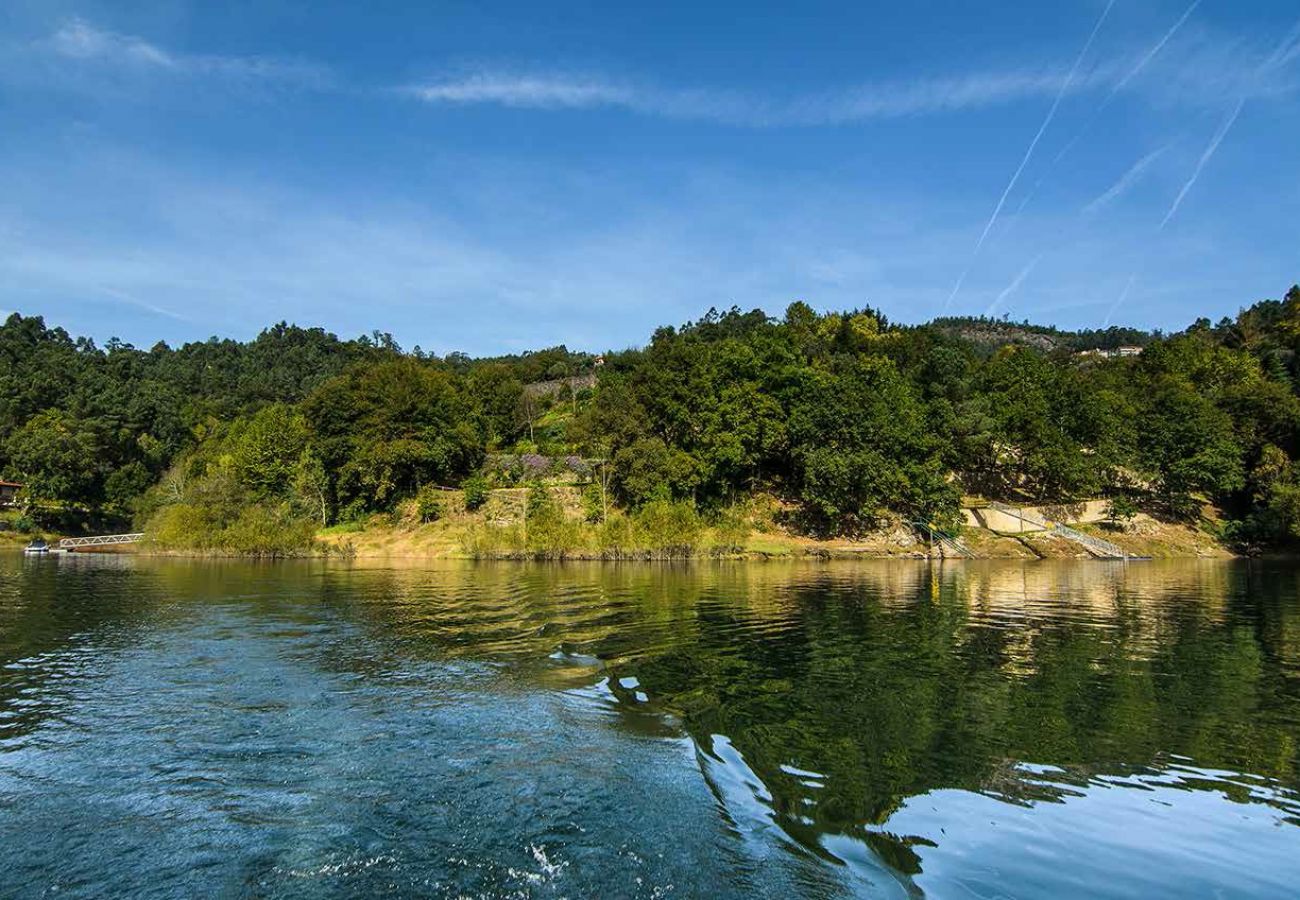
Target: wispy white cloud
77	41
1287	50
1206	69
1125	182
531	91
884	100
1201	72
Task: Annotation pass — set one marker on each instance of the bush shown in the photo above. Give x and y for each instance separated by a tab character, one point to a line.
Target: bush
548	533
593	503
257	531
476	492
730	531
668	528
491	541
617	537
428	505
260	531
1121	510
182	526
354	511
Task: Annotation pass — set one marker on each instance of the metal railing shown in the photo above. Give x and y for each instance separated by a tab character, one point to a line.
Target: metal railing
99	540
946	539
1095	545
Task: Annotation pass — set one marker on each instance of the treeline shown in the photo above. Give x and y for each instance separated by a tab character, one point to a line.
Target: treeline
847	418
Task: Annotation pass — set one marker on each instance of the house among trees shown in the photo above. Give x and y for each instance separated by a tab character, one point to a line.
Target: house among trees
1117	353
9	492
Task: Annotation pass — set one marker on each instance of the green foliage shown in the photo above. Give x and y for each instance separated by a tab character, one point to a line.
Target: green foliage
475	489
385	429
266	531
854	419
1188	445
428	505
730	530
594	503
1121	509
668	528
57	457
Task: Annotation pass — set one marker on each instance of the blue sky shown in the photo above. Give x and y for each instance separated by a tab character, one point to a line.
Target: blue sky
494	177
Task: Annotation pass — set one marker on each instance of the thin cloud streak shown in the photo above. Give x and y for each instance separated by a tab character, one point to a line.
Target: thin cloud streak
1119	301
79	40
1051	113
1125	183
529	91
1200	163
1151	54
1123	82
873	101
1286	50
1012	287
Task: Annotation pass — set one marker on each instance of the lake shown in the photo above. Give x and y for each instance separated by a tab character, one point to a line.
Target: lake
175	728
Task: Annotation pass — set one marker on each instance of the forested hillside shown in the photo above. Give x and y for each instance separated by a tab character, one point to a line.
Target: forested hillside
847	418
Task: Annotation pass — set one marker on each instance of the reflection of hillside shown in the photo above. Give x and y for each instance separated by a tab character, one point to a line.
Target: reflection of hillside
891	680
832	693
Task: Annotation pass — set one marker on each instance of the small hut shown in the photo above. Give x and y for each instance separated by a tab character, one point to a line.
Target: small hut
9	492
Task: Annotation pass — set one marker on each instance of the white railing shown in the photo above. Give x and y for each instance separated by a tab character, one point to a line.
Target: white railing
1095	545
99	540
949	541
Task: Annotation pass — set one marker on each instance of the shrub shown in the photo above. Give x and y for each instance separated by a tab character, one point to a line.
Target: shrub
668	528
1121	510
489	541
354	511
476	492
617	537
428	505
182	526
730	531
593	503
547	532
262	531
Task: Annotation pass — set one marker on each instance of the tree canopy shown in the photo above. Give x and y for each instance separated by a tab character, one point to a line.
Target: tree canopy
847	418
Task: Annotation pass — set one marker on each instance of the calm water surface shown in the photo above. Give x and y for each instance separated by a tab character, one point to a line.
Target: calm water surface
191	729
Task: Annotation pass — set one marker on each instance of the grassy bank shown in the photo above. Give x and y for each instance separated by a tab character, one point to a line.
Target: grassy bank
503	529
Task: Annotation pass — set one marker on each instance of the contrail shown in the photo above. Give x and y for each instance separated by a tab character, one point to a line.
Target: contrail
1285	50
1123	82
1200	164
1013	286
1119	301
1051	114
1151	54
1125	182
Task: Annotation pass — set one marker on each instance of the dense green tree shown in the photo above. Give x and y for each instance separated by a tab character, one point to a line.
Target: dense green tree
1188	446
846	416
386	429
58	457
